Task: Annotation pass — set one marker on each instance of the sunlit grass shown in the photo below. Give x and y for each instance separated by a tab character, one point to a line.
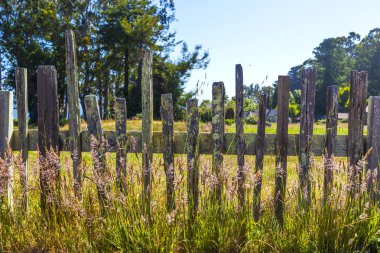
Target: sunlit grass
344	225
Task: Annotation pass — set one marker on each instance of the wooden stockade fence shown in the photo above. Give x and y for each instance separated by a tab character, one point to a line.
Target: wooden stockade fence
193	143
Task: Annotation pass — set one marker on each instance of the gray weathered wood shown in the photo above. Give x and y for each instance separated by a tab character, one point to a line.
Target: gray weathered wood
331	133
192	149
21	81
6	131
48	132
73	105
147	126
356	121
168	146
260	151
309	77
373	146
240	142
205	145
121	143
281	147
217	131
98	148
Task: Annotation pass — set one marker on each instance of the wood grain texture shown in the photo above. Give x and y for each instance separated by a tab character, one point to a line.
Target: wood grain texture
373	147
48	134
331	136
21	81
217	132
260	151
98	149
356	120
308	77
73	106
281	147
168	147
192	148
147	127
121	143
6	131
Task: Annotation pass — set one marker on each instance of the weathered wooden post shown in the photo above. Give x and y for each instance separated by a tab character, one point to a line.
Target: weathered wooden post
373	146
147	127
22	118
308	77
168	146
6	131
48	133
98	148
356	121
331	132
217	136
260	151
121	143
281	147
192	123
240	141
74	113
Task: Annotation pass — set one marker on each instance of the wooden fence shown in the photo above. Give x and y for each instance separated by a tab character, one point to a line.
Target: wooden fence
218	143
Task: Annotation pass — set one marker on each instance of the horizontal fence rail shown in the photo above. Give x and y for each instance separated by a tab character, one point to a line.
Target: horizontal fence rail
134	139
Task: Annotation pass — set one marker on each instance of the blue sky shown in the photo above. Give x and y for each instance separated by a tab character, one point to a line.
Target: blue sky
267	37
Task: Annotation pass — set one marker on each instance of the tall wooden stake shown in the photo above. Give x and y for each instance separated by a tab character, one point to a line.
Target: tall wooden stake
22	118
281	147
74	113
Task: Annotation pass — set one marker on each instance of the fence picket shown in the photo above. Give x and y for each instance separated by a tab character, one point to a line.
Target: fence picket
260	151
6	132
281	147
21	81
168	146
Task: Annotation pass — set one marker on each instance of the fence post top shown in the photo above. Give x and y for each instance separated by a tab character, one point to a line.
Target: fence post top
6	93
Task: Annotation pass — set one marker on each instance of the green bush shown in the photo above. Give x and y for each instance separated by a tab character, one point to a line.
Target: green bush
251	120
229	122
205	114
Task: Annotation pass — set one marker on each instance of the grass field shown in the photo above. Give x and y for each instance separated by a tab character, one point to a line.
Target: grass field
294	128
344	224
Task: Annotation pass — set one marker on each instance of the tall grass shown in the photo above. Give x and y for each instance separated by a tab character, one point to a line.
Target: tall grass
346	223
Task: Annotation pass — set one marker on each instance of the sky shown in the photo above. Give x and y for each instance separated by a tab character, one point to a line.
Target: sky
267	37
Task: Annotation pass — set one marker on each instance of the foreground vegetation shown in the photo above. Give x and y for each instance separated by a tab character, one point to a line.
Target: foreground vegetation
344	224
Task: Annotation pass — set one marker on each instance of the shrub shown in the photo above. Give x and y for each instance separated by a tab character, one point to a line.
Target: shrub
251	120
229	122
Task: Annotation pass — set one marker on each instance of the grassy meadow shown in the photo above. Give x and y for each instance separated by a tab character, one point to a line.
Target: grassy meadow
344	223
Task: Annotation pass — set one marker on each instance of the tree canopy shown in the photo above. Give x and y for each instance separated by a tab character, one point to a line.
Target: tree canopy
110	35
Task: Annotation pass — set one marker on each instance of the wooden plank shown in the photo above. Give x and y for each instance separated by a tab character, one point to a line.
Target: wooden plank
121	143
147	127
205	141
373	146
217	132
192	148
168	146
281	147
21	81
6	131
309	77
48	133
331	133
356	121
240	142
260	151
74	112
98	148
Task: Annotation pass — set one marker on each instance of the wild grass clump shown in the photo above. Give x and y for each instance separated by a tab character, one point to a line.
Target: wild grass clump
343	222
